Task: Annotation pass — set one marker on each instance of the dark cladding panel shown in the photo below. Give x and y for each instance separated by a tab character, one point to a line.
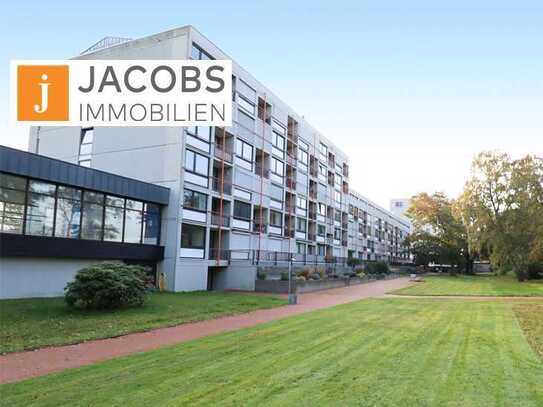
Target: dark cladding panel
48	169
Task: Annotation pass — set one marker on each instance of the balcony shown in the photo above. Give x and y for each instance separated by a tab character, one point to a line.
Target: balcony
260	227
216	254
289	231
291	159
262	172
291	183
226	186
220	220
224	154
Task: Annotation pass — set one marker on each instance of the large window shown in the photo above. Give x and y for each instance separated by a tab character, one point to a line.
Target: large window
68	218
276	218
301	225
322	209
244	150
194	200
12	203
85	147
151	224
242	210
246	105
301	202
302	156
321	230
337	196
193	237
133	221
323	149
41	208
278	141
93	215
201	132
113	222
67	212
277	167
196	163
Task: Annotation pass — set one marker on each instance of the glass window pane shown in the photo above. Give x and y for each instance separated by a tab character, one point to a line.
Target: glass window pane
113	224
201	164
93	197
42	187
135	205
40	214
204	132
92	221
195	53
132	227
193	237
87	136
114	201
85	149
242	210
12	198
68	218
151	227
85	163
189	160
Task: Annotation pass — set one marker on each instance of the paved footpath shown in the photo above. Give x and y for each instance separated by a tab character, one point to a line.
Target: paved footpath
22	365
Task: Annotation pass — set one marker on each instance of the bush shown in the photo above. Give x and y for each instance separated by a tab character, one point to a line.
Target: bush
303	273
261	275
353	262
300	278
284	276
107	286
315	276
378	268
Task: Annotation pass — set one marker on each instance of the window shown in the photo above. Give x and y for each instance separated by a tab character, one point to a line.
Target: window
151	224
337	233
246	105
321	230
85	147
276	218
322	171
202	132
300	248
246	90
40	209
337	196
303	145
194	200
278	127
278	141
322	209
277	167
321	250
113	221
68	217
12	203
199	53
323	149
244	150
196	163
301	202
302	156
339	168
133	221
338	181
301	225
242	210
93	214
337	216
193	237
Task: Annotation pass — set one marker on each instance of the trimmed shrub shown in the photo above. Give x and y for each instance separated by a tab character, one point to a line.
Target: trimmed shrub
107	286
378	268
300	278
315	276
284	276
261	275
303	273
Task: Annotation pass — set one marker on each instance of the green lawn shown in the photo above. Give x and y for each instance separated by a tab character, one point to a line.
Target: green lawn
479	285
381	352
38	322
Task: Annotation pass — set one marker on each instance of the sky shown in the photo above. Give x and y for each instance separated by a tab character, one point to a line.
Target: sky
411	90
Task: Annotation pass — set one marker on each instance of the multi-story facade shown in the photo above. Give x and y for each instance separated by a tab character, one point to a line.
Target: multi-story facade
399	207
271	183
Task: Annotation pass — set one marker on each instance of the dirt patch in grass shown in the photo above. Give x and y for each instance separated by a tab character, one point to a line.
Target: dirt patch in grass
530	318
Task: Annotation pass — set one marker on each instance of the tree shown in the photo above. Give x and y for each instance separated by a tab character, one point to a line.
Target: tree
439	234
502	208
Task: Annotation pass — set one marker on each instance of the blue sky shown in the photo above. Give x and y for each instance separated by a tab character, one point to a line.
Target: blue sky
412	89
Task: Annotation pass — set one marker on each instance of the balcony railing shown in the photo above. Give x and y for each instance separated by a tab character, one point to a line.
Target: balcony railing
291	183
260	226
224	154
226	186
289	232
291	159
216	254
260	171
220	220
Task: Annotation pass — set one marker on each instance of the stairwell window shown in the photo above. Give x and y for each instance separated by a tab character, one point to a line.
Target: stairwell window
198	53
85	147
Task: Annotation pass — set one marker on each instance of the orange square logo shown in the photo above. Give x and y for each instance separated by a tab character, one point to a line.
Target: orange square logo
42	93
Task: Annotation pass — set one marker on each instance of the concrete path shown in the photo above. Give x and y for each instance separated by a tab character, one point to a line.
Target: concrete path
22	365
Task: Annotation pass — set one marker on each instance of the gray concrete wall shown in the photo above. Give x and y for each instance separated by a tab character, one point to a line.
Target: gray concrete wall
33	277
237	277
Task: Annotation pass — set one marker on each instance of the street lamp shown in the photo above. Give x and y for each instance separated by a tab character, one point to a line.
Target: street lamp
292	297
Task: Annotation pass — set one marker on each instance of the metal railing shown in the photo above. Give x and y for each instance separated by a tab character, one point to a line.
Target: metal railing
226	187
220	220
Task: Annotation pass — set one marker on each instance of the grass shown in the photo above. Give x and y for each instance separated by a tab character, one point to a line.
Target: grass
530	317
38	322
478	285
381	352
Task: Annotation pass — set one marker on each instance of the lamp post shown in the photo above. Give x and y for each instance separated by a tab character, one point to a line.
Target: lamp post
292	298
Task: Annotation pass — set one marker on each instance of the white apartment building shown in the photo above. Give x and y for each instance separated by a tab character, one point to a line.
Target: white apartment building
269	188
